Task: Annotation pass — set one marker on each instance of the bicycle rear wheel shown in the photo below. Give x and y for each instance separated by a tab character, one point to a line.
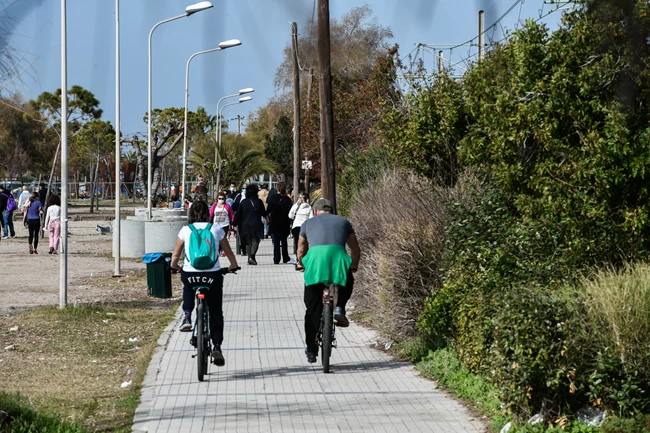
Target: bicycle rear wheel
201	353
328	315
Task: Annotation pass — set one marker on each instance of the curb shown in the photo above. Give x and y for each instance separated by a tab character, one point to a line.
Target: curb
142	414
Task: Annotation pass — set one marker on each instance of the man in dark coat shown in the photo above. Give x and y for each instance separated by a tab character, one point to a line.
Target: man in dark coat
279	224
248	220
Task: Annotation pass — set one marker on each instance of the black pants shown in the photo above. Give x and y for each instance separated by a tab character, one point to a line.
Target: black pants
280	243
213	298
314	304
34	227
252	242
295	232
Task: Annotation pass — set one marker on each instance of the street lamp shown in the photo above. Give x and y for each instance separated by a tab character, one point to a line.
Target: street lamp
219	116
118	151
190	10
218	130
63	268
222	46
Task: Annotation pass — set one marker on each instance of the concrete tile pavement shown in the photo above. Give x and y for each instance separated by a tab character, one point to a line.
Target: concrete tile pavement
267	384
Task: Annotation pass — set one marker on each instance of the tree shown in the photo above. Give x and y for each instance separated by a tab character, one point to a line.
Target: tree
167	132
83	107
240	158
279	147
95	141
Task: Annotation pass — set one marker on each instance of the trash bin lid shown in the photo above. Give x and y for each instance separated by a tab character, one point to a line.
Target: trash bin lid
152	257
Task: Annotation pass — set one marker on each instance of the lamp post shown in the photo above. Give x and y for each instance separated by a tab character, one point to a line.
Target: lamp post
222	46
190	10
63	270
218	130
239	101
116	225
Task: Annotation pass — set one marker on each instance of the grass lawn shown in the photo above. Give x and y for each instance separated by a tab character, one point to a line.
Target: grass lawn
70	364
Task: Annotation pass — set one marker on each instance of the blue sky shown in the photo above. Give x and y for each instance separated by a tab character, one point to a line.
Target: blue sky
262	25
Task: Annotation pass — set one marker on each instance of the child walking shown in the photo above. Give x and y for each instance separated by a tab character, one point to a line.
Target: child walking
53	222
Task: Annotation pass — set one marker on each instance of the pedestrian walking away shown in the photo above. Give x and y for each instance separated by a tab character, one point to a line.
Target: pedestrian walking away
7	207
34	212
53	222
248	220
279	224
323	257
201	263
263	195
23	197
299	213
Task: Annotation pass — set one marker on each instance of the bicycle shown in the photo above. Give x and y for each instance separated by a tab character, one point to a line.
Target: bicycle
326	334
201	338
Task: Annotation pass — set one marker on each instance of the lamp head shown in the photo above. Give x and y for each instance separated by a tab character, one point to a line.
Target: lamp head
245	99
229	43
246	90
197	7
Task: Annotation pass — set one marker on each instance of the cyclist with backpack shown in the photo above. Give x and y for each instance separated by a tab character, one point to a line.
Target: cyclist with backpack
198	243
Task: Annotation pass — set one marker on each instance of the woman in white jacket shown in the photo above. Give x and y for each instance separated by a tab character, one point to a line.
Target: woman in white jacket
53	222
299	213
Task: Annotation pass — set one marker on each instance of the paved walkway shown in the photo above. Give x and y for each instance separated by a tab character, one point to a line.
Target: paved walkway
267	384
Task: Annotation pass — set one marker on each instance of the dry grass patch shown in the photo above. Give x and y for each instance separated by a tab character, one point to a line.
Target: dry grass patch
72	362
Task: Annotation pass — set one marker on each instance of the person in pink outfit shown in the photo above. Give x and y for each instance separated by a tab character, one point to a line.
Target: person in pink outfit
53	222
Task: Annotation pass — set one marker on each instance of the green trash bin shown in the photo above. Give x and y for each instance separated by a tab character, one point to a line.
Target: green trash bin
159	274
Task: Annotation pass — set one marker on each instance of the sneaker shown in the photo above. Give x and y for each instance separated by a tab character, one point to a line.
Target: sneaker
13	237
340	319
51	250
252	261
311	356
293	261
217	357
186	326
35	252
5	237
31	250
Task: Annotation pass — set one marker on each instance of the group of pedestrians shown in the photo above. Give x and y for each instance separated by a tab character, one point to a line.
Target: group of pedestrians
31	206
260	213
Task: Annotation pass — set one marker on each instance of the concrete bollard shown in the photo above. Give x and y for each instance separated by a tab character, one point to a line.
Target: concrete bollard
160	236
132	238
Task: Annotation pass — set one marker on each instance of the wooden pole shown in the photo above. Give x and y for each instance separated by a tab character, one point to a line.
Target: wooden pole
481	35
296	111
328	164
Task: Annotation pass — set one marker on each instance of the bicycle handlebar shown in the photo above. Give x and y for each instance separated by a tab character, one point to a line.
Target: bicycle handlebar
222	271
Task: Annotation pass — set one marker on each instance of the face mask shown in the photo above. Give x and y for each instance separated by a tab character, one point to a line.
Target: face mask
221	201
232	188
243	191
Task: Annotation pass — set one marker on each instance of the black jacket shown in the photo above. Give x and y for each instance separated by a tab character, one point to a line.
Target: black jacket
249	215
4	196
279	208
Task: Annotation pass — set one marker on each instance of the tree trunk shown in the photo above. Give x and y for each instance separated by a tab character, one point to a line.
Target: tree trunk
141	176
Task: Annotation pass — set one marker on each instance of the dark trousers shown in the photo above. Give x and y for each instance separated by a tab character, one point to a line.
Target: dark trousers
34	227
314	304
213	298
280	243
252	242
295	233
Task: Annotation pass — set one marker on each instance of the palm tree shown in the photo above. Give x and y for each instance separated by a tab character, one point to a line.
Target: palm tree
240	159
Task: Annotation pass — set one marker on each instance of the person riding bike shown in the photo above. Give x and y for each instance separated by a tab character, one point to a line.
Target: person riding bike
323	257
209	276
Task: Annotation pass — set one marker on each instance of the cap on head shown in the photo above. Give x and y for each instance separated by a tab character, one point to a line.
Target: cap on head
323	204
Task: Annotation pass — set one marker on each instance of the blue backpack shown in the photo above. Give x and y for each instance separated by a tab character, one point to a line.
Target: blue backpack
203	253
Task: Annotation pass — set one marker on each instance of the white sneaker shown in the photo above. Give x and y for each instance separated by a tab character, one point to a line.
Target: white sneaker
293	262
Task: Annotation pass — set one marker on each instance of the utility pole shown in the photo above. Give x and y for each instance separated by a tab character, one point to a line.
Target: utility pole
309	84
481	35
239	124
441	64
328	165
296	111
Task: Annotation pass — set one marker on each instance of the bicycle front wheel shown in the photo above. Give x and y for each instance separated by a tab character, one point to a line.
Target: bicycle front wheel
328	315
201	352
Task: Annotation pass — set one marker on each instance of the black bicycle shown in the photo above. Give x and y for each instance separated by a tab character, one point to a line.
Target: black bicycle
201	338
326	338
